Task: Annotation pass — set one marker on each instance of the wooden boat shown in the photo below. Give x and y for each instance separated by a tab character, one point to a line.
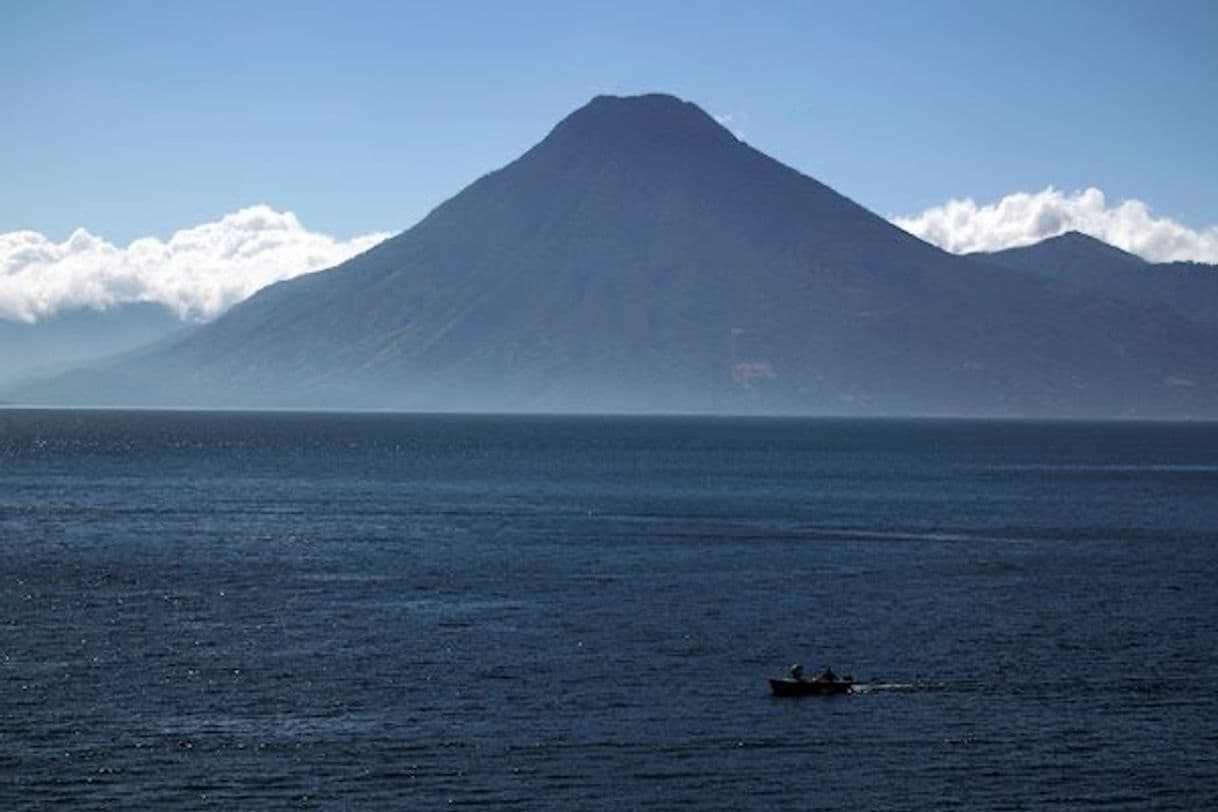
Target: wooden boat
811	687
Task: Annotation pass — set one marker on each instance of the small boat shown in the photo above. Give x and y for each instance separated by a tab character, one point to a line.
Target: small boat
824	684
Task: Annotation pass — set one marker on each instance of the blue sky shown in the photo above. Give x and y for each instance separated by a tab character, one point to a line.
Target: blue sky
134	118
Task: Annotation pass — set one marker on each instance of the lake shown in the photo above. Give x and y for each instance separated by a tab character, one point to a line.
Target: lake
373	611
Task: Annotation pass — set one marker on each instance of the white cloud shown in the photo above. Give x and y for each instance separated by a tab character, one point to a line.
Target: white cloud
1023	218
198	273
732	123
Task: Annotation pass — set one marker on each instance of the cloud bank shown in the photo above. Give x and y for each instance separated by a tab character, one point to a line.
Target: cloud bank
962	226
202	271
198	273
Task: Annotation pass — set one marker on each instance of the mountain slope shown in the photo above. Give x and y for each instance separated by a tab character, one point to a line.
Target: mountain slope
1072	252
640	258
73	337
1082	264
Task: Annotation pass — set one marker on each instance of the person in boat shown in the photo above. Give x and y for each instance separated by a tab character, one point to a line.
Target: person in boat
797	672
827	675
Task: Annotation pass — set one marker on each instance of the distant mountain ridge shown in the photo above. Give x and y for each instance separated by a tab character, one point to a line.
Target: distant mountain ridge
640	258
1083	264
1066	252
74	337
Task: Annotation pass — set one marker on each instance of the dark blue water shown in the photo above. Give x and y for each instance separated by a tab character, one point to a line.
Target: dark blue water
374	612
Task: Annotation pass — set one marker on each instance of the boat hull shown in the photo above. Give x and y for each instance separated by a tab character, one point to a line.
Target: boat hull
793	687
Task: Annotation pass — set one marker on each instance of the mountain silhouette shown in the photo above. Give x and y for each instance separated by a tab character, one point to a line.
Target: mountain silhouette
73	337
641	258
1065	253
1079	263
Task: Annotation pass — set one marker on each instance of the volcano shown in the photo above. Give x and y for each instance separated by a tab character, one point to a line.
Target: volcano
641	258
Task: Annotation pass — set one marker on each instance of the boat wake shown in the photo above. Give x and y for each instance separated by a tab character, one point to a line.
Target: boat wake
898	687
